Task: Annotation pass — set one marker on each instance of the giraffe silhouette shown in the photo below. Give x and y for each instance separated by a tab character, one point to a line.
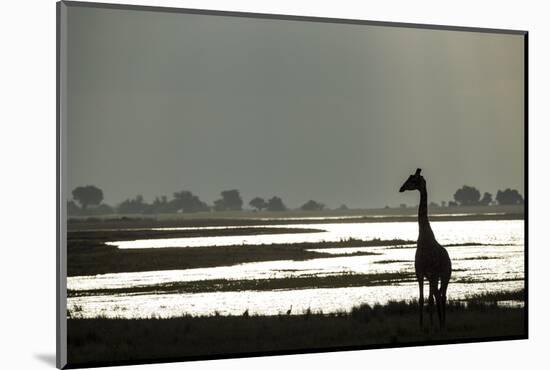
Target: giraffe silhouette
431	260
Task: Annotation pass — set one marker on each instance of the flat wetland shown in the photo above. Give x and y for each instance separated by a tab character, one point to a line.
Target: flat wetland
249	218
91	257
489	303
189	337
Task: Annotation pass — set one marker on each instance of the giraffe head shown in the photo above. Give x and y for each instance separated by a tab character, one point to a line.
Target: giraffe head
414	182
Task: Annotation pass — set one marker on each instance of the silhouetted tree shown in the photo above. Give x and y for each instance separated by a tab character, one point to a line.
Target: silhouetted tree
87	195
509	197
453	204
343	207
162	205
467	196
135	205
258	203
159	202
231	201
434	205
486	199
312	205
187	202
443	204
276	204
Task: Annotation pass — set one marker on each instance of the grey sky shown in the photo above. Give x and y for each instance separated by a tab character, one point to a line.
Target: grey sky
160	102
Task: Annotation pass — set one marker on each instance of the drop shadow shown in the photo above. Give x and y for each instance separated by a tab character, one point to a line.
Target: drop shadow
47	358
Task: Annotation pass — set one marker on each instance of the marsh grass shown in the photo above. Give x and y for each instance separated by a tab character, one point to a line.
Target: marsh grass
343	280
386	262
393	323
138	234
518	295
246	218
91	257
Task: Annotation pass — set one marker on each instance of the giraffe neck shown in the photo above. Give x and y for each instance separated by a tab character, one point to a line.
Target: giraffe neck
423	222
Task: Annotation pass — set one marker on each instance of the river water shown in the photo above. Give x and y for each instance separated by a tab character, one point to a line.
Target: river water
495	265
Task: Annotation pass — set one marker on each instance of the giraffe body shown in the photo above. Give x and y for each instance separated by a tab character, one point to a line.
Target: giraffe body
431	262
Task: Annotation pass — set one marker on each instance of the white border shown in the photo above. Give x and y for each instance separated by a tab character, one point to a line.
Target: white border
28	181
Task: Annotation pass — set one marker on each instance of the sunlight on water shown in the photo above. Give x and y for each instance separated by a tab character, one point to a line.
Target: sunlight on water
261	303
486	232
497	266
509	264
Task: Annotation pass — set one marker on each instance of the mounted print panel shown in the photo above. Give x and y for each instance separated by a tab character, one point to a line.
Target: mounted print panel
234	184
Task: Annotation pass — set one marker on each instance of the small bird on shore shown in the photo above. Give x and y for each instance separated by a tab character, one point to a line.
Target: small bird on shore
289	310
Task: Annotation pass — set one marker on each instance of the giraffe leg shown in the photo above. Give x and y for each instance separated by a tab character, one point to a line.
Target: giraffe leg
437	294
443	292
431	303
421	299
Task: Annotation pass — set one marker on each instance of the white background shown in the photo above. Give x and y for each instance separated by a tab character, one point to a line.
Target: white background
27	144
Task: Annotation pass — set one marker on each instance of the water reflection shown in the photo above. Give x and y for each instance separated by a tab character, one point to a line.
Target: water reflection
508	265
260	302
497	266
447	232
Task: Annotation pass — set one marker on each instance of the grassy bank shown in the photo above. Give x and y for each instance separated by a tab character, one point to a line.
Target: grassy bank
92	257
105	235
249	218
226	285
346	280
116	340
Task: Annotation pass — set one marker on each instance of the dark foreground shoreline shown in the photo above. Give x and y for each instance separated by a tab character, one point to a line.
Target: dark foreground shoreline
137	340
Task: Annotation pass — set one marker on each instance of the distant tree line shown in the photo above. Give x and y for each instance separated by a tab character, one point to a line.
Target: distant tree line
470	196
272	204
87	200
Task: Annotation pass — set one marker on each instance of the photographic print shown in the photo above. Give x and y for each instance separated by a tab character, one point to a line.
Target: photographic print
234	184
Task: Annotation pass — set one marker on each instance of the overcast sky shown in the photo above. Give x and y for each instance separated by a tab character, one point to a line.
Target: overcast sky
160	102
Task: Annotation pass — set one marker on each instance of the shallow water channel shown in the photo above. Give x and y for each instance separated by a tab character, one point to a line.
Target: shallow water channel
489	258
